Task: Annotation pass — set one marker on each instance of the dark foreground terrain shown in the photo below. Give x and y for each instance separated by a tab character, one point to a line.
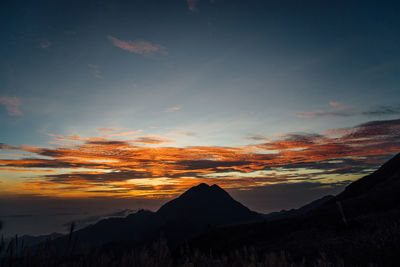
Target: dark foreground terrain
207	227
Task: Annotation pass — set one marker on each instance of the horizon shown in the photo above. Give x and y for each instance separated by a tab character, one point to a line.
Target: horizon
82	222
113	106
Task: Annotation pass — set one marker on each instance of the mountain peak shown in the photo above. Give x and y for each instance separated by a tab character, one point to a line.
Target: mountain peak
207	202
215	186
204	190
200	186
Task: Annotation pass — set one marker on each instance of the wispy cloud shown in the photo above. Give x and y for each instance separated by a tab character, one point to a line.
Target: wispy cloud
341	111
321	113
112	132
153	139
383	110
339	106
95	71
126	133
183	133
192	5
12	104
109	129
172	109
45	43
138	47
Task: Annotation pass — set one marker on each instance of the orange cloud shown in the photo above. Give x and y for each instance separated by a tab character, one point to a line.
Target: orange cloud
138	47
25	170
116	167
126	133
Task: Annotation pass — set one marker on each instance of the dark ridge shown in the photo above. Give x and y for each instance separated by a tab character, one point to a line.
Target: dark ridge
198	209
304	209
385	178
206	204
350	225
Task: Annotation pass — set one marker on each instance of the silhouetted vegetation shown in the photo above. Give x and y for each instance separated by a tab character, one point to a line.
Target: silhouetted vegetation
158	254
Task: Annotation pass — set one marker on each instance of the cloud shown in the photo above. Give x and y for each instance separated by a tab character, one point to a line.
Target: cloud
153	139
45	44
109	129
380	130
24	170
142	167
183	133
383	111
321	113
339	106
342	111
95	71
346	111
126	133
192	5
12	104
8	147
138	47
172	109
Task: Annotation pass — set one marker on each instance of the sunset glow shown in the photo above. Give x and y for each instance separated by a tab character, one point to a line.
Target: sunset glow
142	167
137	101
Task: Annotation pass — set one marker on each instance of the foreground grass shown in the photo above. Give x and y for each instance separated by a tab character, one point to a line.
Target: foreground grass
156	255
376	243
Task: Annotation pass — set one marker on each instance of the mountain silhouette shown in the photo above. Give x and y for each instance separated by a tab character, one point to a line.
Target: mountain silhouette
200	208
349	224
304	209
375	192
359	224
204	204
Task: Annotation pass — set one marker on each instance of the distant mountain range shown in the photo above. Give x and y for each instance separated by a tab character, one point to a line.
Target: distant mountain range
200	208
287	213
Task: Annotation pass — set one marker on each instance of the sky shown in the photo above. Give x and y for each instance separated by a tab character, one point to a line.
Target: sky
111	106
